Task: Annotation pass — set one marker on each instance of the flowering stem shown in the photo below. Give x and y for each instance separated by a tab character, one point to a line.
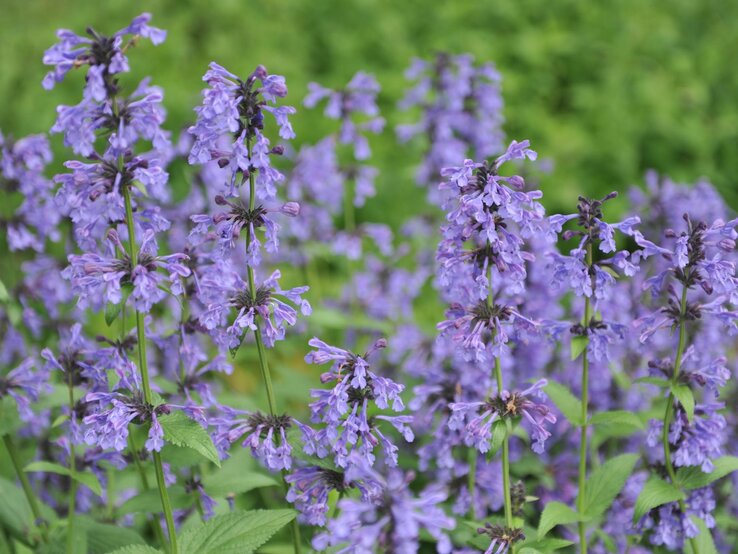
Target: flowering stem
155	522
144	369
670	404
584	416
72	471
505	455
26	485
471	480
263	363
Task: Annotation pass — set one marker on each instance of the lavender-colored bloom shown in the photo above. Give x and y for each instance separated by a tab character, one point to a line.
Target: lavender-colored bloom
228	226
477	418
269	306
343	409
233	108
96	279
265	435
24	384
309	490
390	523
461	105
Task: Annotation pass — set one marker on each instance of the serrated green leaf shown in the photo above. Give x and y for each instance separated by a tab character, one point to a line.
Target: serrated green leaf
89	480
183	431
606	482
112	311
136	549
222	484
9	420
657	381
104	537
703	541
656	492
234	533
556	513
15	513
150	501
617	417
578	345
499	432
566	402
685	396
549	544
694	478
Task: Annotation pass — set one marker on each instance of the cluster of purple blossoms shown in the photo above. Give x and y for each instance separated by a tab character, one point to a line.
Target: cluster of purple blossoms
344	410
391	521
22	165
230	123
192	284
461	106
477	418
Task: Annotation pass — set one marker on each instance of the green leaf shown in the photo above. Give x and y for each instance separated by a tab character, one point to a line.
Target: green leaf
4	296
703	541
235	533
657	381
104	537
556	513
112	311
686	398
656	492
224	483
617	417
150	502
136	549
606	482
183	431
9	420
87	479
694	478
499	432
566	402
549	544
15	513
578	345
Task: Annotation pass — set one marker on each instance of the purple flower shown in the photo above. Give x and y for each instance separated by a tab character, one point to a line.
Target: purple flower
265	435
97	279
477	418
269	305
24	385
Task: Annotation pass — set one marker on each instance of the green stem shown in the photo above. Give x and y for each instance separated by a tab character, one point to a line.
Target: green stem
263	363
670	403
471	480
584	416
144	370
26	485
72	472
155	523
505	456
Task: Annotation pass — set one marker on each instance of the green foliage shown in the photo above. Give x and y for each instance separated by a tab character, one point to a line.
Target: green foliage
183	431
605	483
88	479
655	493
237	532
694	478
556	513
703	541
565	401
578	345
685	396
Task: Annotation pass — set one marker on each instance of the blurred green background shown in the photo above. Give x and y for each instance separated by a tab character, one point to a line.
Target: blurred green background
605	90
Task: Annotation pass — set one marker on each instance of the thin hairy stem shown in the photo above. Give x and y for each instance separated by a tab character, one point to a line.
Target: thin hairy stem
584	416
669	412
144	370
26	485
263	362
